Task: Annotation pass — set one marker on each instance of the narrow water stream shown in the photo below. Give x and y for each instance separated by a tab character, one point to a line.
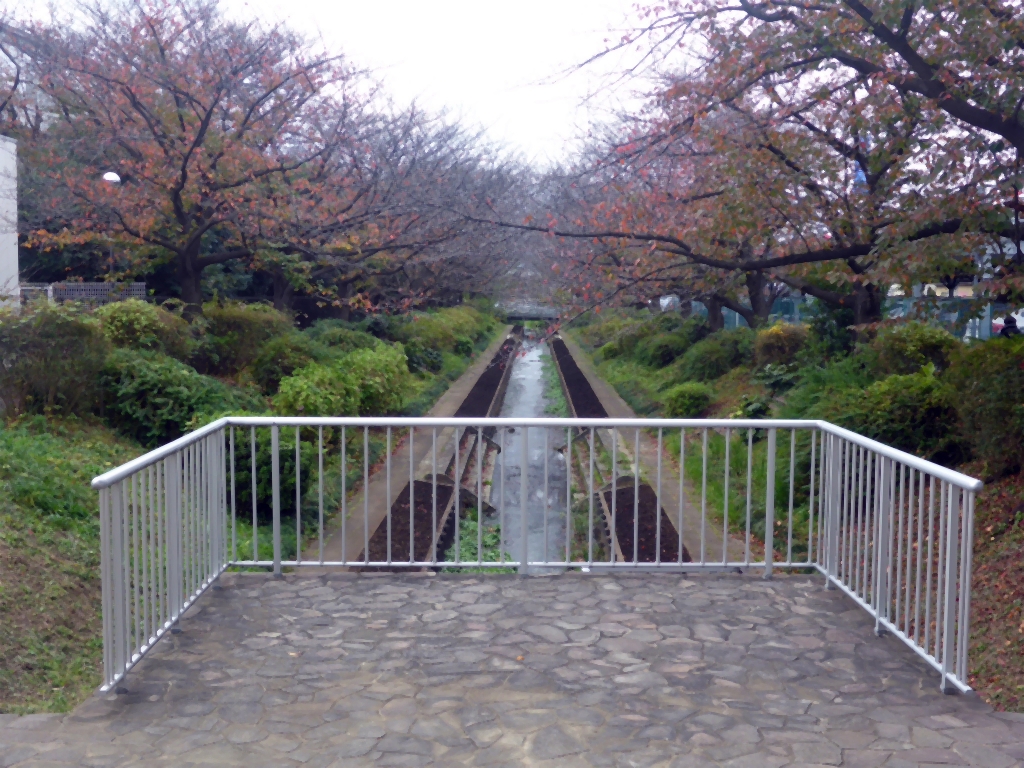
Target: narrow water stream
546	470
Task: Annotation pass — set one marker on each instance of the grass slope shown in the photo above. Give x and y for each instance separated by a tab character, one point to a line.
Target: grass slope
50	627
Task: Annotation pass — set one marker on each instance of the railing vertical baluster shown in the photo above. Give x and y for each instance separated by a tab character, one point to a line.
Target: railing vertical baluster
704	496
899	544
234	525
615	492
412	494
320	491
457	490
682	490
882	558
568	495
845	528
107	552
154	550
121	654
134	522
811	499
949	599
366	494
433	482
387	488
590	513
910	551
344	496
275	483
769	505
792	480
967	548
725	498
524	525
255	521
173	468
835	461
750	493
479	495
657	498
920	556
298	497
636	497
547	496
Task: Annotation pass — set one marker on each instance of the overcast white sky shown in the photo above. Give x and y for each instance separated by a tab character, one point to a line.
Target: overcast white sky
496	65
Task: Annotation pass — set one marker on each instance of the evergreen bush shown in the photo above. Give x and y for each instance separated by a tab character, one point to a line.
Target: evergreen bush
716	355
688	400
282	356
381	375
238	332
909	346
154	398
140	325
50	358
988	378
779	343
318	390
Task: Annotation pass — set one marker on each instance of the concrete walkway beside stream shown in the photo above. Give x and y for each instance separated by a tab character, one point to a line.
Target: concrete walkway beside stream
352	670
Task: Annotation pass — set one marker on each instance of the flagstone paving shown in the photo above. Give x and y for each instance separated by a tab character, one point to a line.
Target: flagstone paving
564	670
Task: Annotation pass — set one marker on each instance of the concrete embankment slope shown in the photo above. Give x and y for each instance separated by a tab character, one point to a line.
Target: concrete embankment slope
617	408
370	506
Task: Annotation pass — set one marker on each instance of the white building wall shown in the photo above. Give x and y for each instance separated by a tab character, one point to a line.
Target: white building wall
8	220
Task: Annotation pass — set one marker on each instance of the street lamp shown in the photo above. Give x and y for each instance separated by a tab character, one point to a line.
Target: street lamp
111	178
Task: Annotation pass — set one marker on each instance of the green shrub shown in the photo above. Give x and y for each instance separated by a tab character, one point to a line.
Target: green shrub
282	356
914	412
688	400
988	378
154	398
779	344
140	325
381	375
239	332
423	358
716	355
443	329
908	347
818	385
660	350
335	334
318	390
463	347
50	358
830	336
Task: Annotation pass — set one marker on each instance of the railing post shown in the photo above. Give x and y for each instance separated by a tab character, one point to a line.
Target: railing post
175	567
949	599
275	481
882	546
769	506
835	484
106	587
524	461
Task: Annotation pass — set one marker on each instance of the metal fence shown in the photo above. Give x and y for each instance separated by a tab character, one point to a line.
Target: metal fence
893	531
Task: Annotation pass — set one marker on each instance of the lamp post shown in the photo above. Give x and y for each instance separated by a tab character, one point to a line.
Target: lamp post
111	178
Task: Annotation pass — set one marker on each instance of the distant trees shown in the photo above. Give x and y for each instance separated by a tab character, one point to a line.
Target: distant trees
232	143
830	149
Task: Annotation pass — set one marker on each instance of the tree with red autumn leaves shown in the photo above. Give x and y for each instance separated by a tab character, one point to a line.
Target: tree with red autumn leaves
232	142
803	146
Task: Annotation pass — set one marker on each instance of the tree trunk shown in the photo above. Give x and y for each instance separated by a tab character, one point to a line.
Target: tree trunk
716	320
284	292
190	278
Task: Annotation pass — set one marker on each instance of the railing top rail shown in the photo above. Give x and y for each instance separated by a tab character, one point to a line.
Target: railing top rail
126	470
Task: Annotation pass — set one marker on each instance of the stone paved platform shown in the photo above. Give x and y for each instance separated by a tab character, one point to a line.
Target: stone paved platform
568	670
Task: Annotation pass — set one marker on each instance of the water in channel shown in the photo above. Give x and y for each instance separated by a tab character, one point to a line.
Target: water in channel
546	468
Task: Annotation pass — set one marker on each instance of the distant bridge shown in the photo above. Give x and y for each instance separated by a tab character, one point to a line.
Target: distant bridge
521	311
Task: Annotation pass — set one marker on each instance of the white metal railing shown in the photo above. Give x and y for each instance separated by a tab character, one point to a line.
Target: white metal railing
893	531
